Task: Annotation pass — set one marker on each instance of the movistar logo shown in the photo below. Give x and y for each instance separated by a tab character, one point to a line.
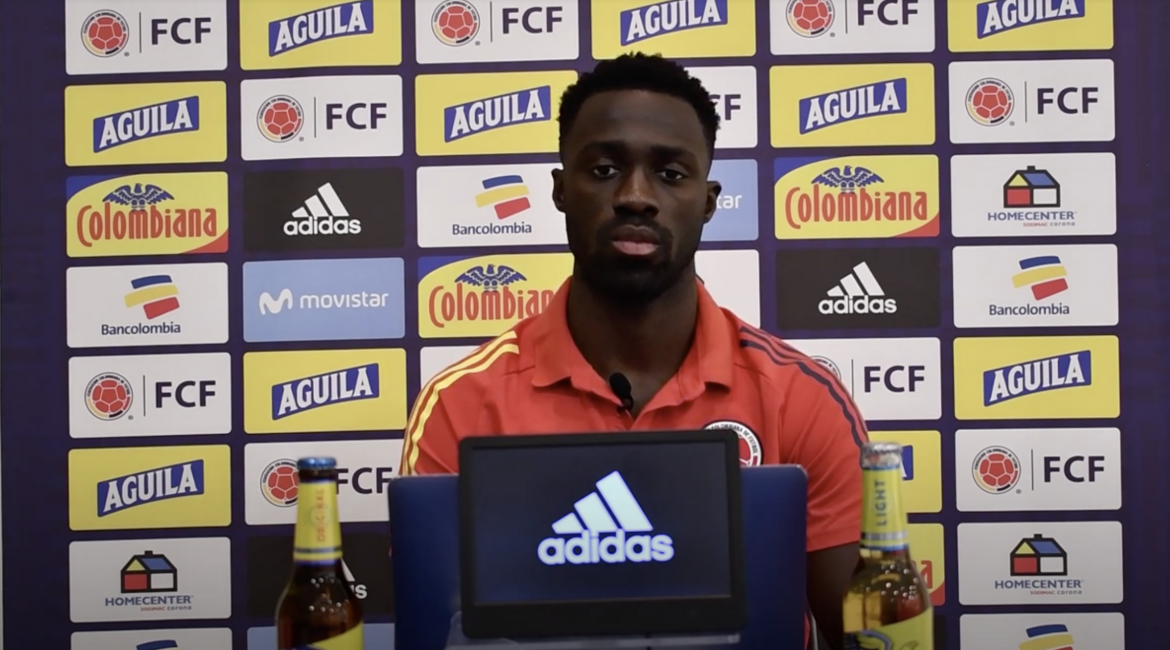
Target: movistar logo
601	533
270	305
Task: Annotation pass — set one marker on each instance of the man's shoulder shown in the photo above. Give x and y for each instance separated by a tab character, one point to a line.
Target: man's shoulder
480	371
773	360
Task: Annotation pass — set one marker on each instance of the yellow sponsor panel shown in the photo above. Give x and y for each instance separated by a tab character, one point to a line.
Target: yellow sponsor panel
146	214
927	548
1029	26
852	105
279	34
135	124
484	296
921	467
856	197
150	487
688	29
488	113
1034	377
324	390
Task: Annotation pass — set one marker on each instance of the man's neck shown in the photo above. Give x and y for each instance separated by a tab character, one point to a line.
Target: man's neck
647	344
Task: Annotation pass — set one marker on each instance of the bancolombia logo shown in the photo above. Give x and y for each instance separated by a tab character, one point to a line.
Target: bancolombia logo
590	544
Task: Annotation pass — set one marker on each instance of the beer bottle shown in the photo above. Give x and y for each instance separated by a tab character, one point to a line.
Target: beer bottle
887	605
318	609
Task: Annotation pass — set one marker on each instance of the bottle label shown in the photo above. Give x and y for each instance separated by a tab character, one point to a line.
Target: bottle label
883	523
351	639
911	634
318	531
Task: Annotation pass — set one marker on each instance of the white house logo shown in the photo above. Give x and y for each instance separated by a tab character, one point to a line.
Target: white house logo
322	214
598	530
858	293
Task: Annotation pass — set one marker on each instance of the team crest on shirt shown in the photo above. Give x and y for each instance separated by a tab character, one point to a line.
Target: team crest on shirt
750	452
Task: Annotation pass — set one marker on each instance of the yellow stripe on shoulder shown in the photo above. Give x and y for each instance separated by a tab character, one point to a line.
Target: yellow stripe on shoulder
428	397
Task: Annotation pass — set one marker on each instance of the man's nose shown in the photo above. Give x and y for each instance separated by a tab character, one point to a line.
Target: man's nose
636	194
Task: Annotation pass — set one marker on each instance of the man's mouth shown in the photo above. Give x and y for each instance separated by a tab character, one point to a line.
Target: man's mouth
635	240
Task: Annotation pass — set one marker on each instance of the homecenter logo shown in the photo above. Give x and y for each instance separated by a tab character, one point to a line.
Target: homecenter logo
601	538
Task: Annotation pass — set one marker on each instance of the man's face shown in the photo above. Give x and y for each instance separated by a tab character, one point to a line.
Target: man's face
634	191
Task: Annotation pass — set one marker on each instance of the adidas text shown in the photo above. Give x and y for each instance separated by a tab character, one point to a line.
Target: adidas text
591	548
858	305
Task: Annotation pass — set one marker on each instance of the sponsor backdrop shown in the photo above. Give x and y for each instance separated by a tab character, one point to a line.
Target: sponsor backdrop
265	224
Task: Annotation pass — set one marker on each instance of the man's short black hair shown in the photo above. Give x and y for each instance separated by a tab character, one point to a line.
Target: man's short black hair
638	71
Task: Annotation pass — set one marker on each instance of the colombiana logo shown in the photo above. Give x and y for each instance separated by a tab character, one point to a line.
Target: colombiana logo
841	106
751	454
105	33
455	22
279	482
990	102
108	396
595	537
996	470
810	18
646	22
280	118
999	16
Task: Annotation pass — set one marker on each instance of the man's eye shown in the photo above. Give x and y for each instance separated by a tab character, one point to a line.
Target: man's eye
672	174
604	171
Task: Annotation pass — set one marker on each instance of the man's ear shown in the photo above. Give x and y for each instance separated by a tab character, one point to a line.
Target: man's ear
713	191
558	191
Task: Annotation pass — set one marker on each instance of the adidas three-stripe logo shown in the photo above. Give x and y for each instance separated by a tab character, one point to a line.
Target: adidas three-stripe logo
322	214
859	292
598	530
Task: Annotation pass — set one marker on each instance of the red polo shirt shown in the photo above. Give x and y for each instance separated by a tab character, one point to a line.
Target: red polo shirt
532	379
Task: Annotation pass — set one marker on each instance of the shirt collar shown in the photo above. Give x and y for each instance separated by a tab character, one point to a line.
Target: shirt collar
556	357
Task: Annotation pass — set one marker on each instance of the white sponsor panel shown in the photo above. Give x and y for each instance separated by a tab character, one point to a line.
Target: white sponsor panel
852	26
434	360
1032	101
488	205
1088	631
355	116
733	280
365	468
126	36
889	379
149	304
1034	195
150	579
1035	286
468	31
169	639
733	90
150	395
999	470
1040	563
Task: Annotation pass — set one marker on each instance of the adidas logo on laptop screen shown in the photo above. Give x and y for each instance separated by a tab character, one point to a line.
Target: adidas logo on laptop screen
858	293
322	214
606	526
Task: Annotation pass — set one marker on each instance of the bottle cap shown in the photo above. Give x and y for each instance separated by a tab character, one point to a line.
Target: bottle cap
317	462
881	455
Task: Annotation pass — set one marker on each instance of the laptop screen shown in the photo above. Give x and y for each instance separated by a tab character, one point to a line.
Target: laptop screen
596	522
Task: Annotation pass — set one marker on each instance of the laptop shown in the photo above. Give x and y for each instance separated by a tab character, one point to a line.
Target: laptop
600	535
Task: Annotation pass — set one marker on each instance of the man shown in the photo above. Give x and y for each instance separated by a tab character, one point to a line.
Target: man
637	137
